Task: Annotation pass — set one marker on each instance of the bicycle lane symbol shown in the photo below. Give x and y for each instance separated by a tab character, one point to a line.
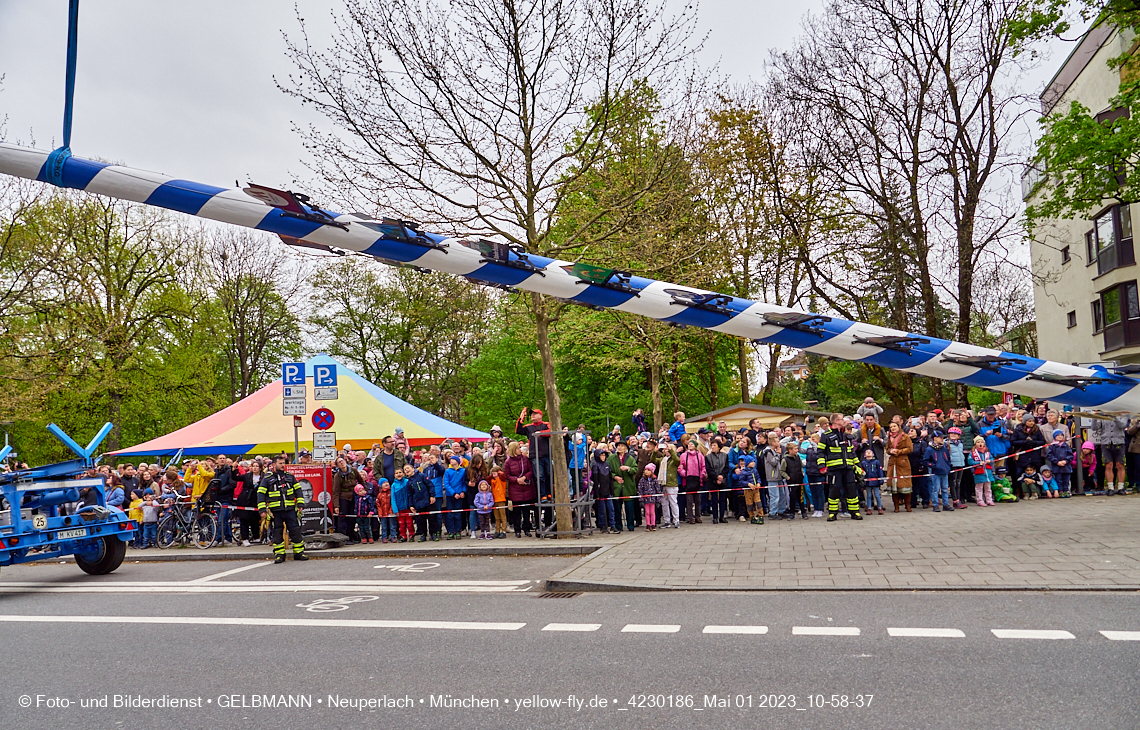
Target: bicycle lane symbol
413	568
326	605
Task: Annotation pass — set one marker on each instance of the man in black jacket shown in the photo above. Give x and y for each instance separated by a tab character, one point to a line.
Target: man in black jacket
279	494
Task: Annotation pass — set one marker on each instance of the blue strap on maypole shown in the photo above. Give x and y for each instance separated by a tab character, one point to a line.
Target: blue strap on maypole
53	170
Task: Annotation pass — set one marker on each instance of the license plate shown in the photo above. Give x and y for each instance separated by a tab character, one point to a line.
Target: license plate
66	534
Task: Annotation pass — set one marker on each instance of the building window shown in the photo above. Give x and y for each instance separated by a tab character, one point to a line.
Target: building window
1065	255
1117	315
1109	243
1072	319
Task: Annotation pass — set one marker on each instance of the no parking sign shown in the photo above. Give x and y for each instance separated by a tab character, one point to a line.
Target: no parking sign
323	419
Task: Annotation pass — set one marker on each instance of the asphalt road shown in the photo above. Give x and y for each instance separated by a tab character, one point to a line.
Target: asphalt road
285	630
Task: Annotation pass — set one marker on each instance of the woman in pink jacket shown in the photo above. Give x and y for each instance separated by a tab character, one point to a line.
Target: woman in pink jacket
691	469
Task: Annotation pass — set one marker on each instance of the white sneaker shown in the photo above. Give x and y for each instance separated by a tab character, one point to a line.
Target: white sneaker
245	543
742	519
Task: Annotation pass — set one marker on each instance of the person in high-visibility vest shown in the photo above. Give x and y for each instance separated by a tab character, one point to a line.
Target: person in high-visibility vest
279	494
839	464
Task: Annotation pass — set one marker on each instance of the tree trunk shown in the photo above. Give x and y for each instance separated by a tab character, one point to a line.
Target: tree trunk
742	364
714	395
773	373
676	386
655	393
114	410
560	472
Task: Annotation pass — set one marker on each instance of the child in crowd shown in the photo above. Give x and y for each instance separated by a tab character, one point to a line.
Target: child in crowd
484	505
649	491
873	479
453	487
1088	467
1030	483
1048	483
744	478
365	511
135	513
389	527
149	522
957	463
771	457
402	503
983	464
937	461
499	492
1060	458
792	474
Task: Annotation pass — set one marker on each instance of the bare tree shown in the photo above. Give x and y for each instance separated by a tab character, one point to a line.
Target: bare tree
252	282
904	102
474	113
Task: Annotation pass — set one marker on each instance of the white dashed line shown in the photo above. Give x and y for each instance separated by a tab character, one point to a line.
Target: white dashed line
933	633
242	621
735	630
571	627
825	631
651	629
1122	635
1031	634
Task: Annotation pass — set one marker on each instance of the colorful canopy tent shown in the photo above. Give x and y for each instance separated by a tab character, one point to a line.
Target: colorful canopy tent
363	413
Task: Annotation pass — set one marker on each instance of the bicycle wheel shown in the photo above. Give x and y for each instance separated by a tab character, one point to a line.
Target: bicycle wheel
204	530
167	532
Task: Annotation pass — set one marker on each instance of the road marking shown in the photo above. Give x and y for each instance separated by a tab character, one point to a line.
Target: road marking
934	633
223	574
650	629
571	627
1031	634
290	622
735	630
274	586
825	631
1122	635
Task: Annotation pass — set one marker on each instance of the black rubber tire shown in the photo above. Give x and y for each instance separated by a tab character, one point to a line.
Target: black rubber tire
110	558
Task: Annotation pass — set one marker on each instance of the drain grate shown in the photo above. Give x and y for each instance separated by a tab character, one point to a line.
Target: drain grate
557	595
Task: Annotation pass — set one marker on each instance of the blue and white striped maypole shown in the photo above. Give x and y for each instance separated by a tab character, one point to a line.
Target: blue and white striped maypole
499	265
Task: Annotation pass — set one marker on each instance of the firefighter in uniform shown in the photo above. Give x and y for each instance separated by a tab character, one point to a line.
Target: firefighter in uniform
280	494
837	461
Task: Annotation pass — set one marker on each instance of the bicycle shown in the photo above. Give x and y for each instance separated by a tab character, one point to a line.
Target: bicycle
184	523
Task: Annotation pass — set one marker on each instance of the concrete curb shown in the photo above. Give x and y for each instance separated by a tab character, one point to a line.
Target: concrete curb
185	555
561	585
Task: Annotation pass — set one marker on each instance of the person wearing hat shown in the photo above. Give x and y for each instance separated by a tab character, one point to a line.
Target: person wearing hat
497	438
400	441
838	461
1029	444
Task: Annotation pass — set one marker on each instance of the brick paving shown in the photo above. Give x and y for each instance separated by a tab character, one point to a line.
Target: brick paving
1071	543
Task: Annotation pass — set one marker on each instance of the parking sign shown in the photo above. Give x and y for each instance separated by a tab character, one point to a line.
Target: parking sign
293	373
324	376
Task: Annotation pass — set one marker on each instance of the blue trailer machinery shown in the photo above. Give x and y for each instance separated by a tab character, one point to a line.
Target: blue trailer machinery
54	511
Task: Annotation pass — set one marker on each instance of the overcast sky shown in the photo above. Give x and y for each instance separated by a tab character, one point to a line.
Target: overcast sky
186	88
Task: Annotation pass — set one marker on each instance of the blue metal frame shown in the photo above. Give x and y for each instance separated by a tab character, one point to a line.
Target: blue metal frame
43	490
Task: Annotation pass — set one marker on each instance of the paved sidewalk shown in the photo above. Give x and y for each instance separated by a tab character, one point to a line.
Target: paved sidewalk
1082	542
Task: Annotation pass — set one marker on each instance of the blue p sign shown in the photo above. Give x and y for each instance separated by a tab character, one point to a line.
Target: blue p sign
324	376
293	373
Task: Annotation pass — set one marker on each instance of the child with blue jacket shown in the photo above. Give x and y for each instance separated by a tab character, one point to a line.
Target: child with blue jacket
422	497
873	478
365	510
402	502
937	460
454	489
745	478
957	451
1060	458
